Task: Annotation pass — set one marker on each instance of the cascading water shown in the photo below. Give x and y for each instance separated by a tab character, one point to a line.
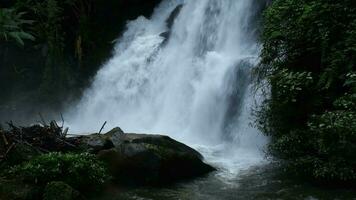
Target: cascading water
185	73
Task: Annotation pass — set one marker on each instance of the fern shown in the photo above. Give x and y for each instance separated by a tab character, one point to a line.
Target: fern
11	26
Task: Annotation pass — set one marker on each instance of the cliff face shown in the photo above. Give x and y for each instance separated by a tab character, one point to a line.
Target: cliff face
73	38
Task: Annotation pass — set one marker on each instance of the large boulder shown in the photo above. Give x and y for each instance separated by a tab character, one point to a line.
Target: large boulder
97	142
146	159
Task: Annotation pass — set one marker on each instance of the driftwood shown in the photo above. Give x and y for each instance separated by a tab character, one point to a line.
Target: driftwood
42	137
102	127
62	121
4	138
65	132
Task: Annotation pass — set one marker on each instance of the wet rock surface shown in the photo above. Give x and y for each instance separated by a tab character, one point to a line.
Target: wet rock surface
136	159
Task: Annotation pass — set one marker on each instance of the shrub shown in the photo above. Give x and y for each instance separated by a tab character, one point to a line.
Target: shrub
308	60
78	170
11	26
335	134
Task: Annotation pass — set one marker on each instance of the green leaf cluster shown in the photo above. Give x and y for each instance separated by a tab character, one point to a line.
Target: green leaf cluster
12	26
308	60
81	171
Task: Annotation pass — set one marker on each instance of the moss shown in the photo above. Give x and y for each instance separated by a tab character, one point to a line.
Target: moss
159	150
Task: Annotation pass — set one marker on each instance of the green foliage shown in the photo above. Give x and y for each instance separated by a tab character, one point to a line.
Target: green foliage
73	39
48	26
81	171
60	191
12	24
308	59
291	84
335	134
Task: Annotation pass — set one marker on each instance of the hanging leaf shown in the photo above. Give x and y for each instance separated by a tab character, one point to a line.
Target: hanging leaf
11	26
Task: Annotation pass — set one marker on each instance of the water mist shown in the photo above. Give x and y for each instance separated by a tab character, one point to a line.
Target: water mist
185	72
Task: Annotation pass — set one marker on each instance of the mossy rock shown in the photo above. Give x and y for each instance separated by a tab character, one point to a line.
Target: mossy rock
97	142
61	191
141	159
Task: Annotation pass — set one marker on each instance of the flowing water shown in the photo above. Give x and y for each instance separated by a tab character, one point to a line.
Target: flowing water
185	72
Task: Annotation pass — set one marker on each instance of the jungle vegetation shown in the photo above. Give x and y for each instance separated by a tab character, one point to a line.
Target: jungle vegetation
50	49
308	64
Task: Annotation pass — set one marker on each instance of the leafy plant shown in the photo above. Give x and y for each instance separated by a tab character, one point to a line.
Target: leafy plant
12	24
308	60
78	170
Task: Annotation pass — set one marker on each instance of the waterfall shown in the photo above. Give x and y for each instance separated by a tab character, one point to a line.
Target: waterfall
184	72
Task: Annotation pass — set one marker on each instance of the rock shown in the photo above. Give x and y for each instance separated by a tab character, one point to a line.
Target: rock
169	22
146	159
97	142
61	191
165	35
114	135
174	14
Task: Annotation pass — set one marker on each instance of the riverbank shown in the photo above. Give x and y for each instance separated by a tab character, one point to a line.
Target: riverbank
41	162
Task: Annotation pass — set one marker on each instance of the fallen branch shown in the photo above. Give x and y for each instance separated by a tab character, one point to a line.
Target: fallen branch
102	127
12	126
43	121
67	143
65	132
62	120
4	138
9	149
39	148
47	138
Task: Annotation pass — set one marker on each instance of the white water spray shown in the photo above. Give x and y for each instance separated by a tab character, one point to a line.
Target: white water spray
189	80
